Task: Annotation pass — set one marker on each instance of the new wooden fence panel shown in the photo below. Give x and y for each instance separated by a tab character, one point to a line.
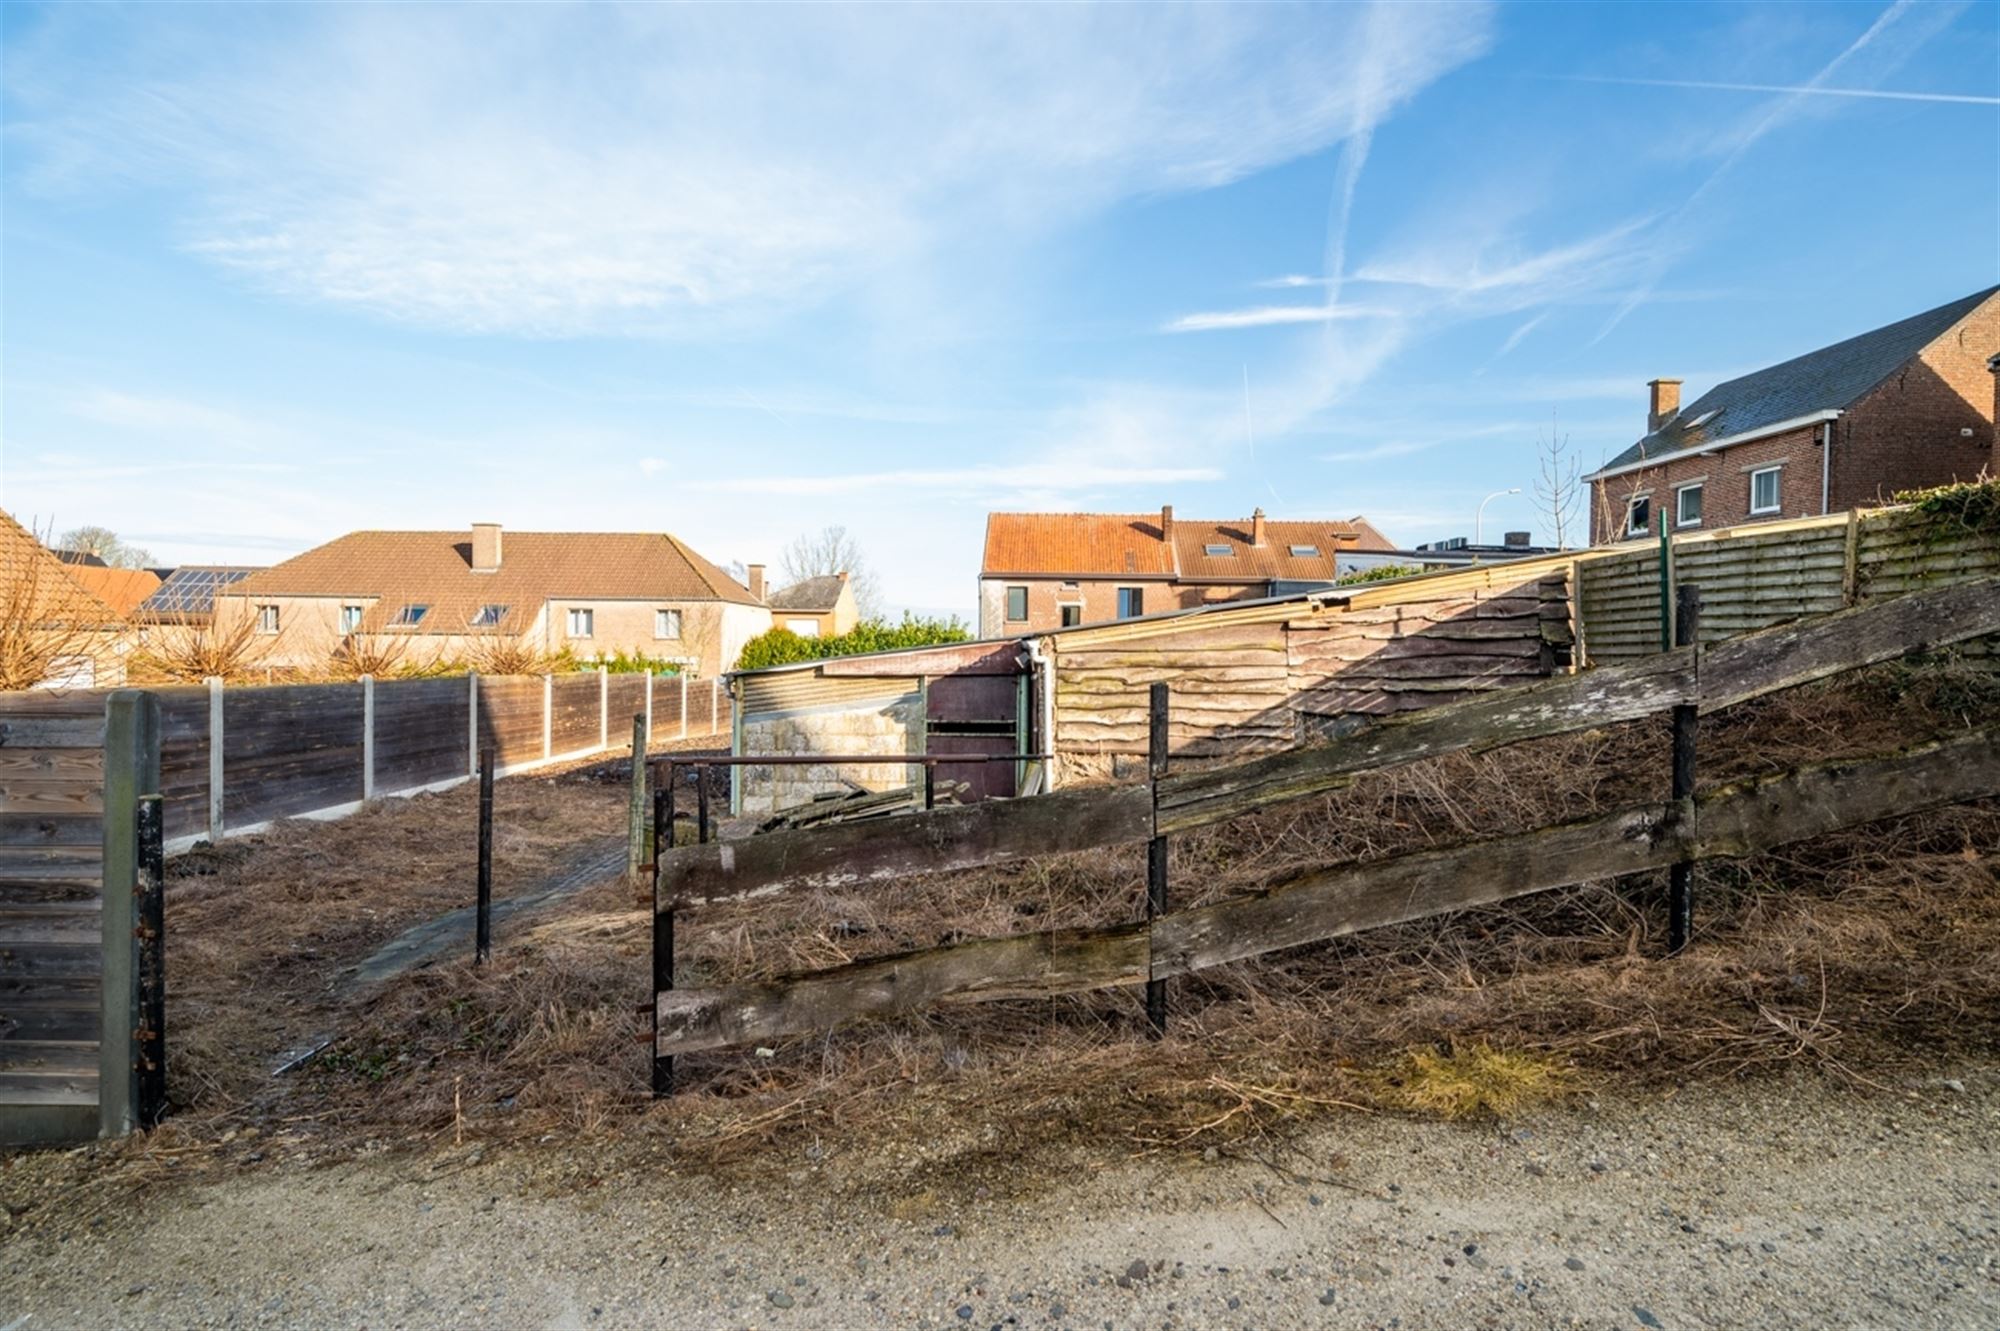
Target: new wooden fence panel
1756	581
422	732
575	701
1620	601
51	913
291	749
510	717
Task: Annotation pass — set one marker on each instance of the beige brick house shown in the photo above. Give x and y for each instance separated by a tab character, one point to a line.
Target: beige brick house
594	593
821	607
1905	406
1055	570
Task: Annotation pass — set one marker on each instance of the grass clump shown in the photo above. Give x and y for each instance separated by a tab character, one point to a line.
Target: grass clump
1461	1081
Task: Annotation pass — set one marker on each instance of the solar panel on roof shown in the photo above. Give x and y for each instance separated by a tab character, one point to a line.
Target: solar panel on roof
190	590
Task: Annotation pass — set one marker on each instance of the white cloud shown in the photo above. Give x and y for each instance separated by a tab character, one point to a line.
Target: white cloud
1269	315
570	169
1052	477
1802	89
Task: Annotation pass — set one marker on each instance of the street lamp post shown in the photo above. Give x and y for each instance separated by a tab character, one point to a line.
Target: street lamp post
1479	517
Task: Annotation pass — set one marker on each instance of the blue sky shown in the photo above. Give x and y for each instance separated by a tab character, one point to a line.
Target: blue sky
275	274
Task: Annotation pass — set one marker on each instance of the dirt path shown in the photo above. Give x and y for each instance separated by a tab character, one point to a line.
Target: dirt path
1788	1204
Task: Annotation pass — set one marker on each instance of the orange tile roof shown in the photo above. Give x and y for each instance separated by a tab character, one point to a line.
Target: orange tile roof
434	568
33	581
1132	545
120	588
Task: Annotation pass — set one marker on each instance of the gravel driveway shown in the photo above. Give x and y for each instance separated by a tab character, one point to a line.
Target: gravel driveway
1792	1203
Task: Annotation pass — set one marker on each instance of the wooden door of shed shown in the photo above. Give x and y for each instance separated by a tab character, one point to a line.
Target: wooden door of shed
974	714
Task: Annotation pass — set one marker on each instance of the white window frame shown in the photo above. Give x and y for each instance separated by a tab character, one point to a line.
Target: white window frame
803	627
267	620
1008	608
350	618
1777	475
1631	505
1681	492
584	615
661	619
412	614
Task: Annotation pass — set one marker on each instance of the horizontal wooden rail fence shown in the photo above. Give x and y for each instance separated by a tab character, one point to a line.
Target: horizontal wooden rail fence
1087	817
1738	820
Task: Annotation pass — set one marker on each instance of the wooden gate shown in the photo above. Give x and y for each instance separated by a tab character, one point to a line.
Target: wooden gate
82	993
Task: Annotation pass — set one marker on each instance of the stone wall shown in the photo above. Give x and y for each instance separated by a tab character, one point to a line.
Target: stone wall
892	726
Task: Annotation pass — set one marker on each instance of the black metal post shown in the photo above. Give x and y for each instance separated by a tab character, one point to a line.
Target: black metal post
149	910
482	944
673	778
701	802
930	785
663	940
1680	876
1156	851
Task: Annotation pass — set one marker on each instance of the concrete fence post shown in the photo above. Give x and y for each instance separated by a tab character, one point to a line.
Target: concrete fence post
131	772
472	723
548	715
215	758
636	829
604	707
649	705
367	738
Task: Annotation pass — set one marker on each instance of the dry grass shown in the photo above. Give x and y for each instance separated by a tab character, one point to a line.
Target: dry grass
1857	954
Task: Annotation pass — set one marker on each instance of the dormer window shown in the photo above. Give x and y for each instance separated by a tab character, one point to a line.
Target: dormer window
1218	550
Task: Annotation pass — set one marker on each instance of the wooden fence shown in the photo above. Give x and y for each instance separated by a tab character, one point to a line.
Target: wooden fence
235	759
81	988
1738	820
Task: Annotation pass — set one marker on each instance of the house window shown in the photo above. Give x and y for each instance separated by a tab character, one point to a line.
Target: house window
1304	551
1131	602
411	615
1639	516
267	619
1017	603
489	616
1764	490
1687	506
1218	550
1072	615
666	623
581	621
805	628
350	618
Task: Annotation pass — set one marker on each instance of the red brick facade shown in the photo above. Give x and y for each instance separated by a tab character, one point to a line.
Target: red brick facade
1929	423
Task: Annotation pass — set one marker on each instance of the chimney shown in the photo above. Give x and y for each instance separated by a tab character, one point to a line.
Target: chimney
1666	400
1166	522
756	572
485	547
1517	539
1257	528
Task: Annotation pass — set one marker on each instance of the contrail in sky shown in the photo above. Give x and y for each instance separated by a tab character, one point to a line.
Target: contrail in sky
1967	99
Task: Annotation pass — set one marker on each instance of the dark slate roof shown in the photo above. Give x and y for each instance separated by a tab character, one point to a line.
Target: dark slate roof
1830	379
821	593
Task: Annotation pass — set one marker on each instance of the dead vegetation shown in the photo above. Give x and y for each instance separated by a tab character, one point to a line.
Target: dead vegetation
1856	955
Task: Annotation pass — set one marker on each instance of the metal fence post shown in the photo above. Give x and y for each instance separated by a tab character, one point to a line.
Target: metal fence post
1680	877
215	741
367	737
1156	849
131	772
482	929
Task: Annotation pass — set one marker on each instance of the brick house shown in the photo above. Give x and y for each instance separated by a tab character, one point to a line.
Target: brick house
1055	570
594	593
1907	405
821	607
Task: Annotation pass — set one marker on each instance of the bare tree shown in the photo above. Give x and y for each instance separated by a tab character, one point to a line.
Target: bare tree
832	550
104	543
1558	486
52	633
191	653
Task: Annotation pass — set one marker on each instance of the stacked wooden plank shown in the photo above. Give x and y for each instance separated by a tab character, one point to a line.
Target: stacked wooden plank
510	717
51	904
1232	686
422	732
577	713
290	751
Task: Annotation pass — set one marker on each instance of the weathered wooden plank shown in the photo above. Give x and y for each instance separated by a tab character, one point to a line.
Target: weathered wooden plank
1557	706
1736	820
51	732
933	841
44	829
64	765
73	795
1781	658
52	960
65	1059
1023	966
